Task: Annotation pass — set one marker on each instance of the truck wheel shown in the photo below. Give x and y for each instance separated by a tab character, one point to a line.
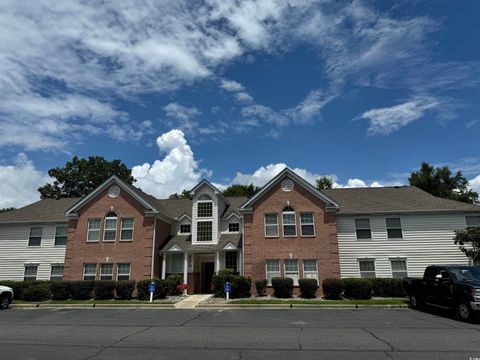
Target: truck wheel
414	302
463	311
4	301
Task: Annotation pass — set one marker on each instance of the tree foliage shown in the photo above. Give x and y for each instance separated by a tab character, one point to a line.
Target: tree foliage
240	190
468	241
439	181
6	209
324	182
80	176
185	194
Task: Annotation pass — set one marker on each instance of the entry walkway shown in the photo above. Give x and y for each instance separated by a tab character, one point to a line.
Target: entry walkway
192	301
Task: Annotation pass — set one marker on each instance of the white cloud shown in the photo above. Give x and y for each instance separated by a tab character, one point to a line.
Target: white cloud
19	183
177	171
231	85
309	108
475	183
387	120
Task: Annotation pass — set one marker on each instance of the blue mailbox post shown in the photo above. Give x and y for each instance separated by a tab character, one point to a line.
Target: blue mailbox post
151	289
227	288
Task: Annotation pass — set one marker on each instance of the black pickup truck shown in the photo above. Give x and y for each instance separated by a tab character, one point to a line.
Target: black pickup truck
454	287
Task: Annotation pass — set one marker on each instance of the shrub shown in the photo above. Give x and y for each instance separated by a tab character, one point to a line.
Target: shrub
282	287
332	288
104	289
37	292
160	291
241	287
220	279
60	290
388	287
82	290
171	282
124	289
261	287
358	289
308	288
17	286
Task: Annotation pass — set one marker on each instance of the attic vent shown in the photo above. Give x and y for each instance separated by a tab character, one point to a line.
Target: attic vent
113	191
287	185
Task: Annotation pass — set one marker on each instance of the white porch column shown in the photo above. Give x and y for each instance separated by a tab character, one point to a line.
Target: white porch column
185	270
164	265
217	262
239	263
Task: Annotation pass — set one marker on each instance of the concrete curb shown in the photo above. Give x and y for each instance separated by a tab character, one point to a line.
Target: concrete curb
299	306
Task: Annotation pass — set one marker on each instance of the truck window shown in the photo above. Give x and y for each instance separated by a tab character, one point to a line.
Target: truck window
430	272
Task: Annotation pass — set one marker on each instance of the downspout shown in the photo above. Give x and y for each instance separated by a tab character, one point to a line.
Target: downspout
243	245
153	247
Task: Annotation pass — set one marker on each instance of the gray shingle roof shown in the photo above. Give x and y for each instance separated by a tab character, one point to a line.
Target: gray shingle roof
185	242
394	200
46	210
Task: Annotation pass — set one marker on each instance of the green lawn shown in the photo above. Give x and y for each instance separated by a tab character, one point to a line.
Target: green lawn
386	301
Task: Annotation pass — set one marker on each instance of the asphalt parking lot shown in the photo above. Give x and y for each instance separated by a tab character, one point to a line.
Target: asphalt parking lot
235	334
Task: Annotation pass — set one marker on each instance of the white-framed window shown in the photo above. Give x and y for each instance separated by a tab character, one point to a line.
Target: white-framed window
35	238
106	271
291	269
472	221
30	272
399	268
204	231
231	260
56	272
394	228
126	233
61	233
362	228
89	271
123	272
176	263
289	222
110	228
367	268
233	227
93	230
271	225
307	224
272	270
310	269
204	206
185	229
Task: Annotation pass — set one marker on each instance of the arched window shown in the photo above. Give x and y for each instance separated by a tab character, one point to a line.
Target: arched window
204	206
289	221
110	228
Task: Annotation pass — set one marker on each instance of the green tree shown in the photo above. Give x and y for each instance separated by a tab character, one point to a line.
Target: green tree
80	176
439	181
240	190
6	209
324	182
468	241
185	194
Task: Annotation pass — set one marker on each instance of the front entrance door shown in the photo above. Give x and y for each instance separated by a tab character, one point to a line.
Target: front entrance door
208	269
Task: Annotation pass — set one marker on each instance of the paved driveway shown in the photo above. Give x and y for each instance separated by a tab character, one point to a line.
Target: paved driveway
235	334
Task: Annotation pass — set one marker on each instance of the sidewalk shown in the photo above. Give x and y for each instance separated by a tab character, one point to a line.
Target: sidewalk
192	301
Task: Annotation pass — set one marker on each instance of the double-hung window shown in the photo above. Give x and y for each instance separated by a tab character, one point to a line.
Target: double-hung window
106	272
61	235
123	272
272	269
399	268
204	206
89	271
291	270
307	224
231	260
310	269
176	263
288	221
271	225
204	231
126	232
35	238
362	228
110	229
30	272
394	228
472	221
56	272
367	268
93	232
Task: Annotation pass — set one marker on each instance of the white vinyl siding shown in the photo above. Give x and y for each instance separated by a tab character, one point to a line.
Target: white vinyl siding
427	239
15	252
206	208
472	221
272	270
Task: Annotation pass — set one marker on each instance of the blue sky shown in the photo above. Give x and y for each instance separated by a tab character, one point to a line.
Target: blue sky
363	91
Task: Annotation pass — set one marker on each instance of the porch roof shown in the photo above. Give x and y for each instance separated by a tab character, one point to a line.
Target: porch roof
184	243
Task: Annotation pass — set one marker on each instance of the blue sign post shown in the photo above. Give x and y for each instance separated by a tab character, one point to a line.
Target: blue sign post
151	289
227	288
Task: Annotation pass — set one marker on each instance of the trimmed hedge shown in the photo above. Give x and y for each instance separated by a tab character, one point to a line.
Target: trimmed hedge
124	289
241	285
37	292
282	287
61	290
82	290
358	289
308	288
104	289
332	288
171	282
388	287
220	279
160	291
261	287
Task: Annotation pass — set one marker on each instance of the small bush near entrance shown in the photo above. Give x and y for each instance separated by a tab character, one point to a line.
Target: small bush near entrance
60	290
241	287
219	280
261	287
82	290
388	287
124	289
358	289
282	287
160	292
104	289
171	282
37	292
332	288
308	288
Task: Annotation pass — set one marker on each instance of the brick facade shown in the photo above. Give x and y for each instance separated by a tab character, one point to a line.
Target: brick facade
323	246
138	252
